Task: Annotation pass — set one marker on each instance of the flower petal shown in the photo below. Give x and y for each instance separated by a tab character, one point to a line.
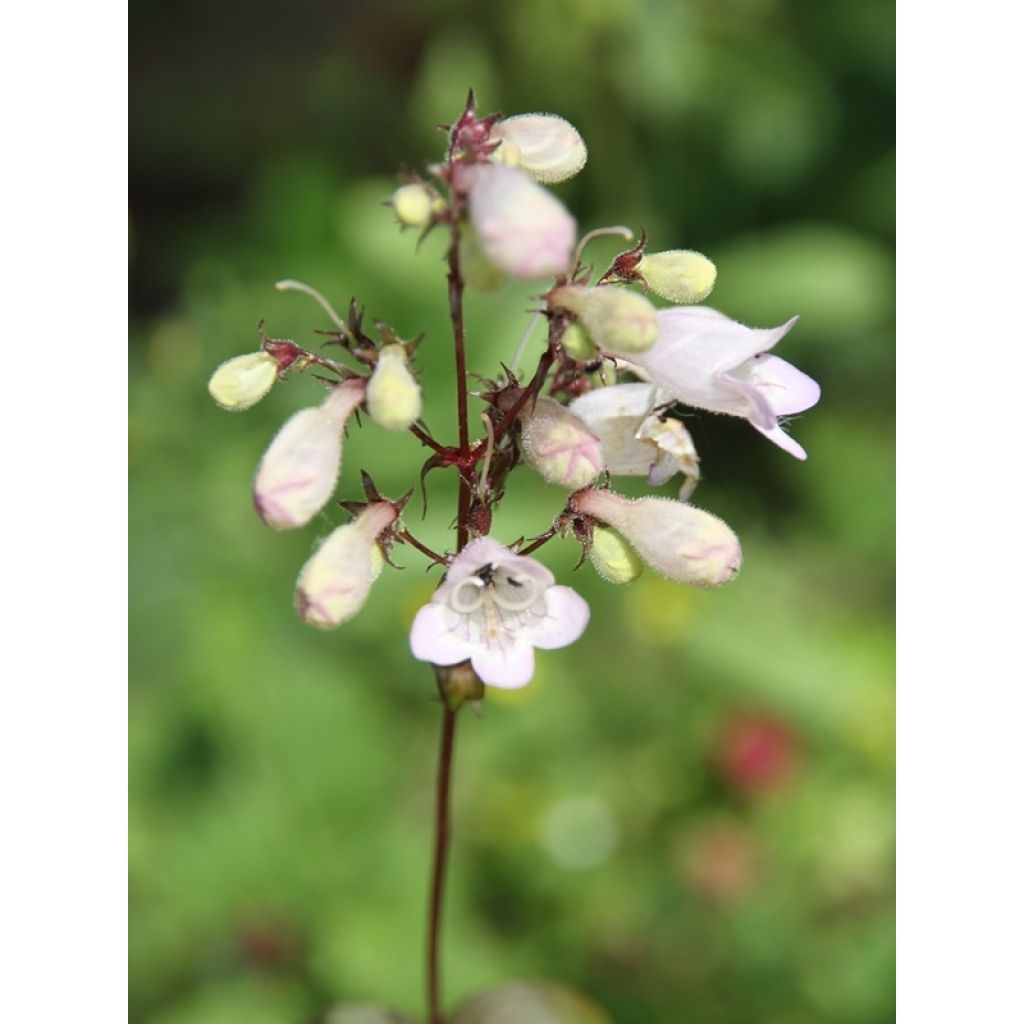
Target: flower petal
787	389
566	617
508	668
546	146
778	436
433	640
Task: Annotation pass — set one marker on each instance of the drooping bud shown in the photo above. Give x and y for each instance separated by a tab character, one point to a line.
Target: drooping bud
479	273
577	344
299	471
523	229
559	446
241	382
547	147
681	542
393	397
615	319
335	582
612	557
413	205
679	275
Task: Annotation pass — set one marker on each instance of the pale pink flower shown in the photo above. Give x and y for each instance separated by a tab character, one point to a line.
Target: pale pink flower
546	146
522	228
704	359
493	608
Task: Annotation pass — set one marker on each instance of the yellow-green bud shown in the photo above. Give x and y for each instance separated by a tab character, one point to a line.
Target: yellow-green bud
612	557
560	446
413	205
241	382
479	273
393	397
679	275
577	344
617	320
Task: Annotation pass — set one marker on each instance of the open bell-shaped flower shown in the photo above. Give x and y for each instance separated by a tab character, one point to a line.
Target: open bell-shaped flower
522	228
493	608
299	471
681	542
335	582
560	446
706	360
546	146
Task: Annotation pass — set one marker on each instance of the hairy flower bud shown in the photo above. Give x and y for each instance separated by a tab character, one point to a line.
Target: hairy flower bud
523	229
681	542
679	275
547	147
612	557
559	446
413	205
393	397
335	582
299	471
241	382
577	344
615	319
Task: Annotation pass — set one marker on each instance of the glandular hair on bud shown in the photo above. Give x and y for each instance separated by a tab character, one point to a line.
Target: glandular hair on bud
413	205
681	542
612	557
334	584
241	382
679	275
577	344
560	446
616	319
393	397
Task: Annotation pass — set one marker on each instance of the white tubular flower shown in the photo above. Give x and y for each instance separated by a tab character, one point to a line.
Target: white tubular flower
634	440
493	608
299	471
241	382
616	320
706	360
393	397
612	557
679	275
335	582
547	147
681	542
523	229
559	446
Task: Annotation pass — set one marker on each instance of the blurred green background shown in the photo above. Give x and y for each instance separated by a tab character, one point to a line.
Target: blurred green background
689	814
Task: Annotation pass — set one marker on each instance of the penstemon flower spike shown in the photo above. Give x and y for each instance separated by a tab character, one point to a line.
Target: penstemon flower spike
599	403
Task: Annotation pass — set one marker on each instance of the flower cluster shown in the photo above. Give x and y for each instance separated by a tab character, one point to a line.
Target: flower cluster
603	401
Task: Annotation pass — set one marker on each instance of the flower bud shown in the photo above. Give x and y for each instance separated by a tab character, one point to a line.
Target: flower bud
335	582
477	270
547	147
681	542
616	319
577	344
559	446
299	471
679	275
413	205
241	382
393	397
612	557
523	229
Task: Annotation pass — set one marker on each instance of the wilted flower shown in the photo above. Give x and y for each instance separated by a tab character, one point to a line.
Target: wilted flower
679	275
523	229
706	360
299	471
493	608
681	542
393	397
241	382
547	147
635	441
559	446
335	582
617	320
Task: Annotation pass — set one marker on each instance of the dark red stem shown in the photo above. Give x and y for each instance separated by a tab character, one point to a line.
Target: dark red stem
442	836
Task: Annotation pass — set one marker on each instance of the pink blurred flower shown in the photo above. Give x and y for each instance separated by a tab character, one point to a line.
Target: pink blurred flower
755	753
493	608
